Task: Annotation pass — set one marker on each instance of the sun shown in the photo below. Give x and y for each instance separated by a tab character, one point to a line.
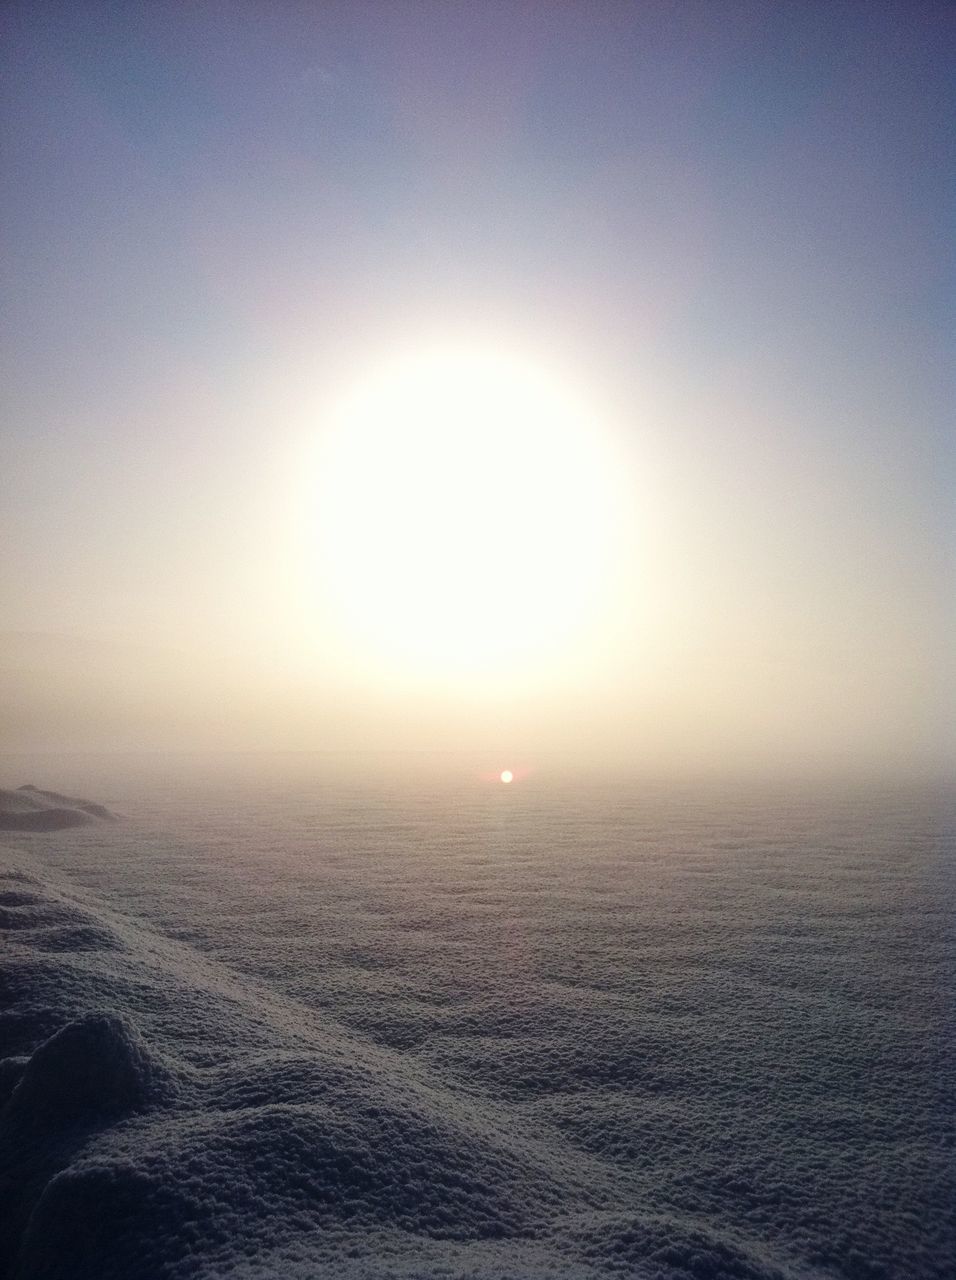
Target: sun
506	775
464	510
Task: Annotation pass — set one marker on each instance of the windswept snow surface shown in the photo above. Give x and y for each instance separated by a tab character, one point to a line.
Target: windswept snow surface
296	1025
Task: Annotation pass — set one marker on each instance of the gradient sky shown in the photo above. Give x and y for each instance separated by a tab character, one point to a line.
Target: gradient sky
733	223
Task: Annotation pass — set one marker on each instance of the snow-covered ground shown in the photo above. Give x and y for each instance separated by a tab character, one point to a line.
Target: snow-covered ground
288	1022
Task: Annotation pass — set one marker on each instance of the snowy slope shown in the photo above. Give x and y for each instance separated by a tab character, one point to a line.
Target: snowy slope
404	1033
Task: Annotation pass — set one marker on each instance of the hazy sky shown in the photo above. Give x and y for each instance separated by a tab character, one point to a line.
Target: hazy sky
726	228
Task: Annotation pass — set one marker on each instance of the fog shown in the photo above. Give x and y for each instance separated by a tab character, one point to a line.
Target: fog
723	243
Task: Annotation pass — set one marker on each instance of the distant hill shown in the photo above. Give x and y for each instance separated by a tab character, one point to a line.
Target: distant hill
28	808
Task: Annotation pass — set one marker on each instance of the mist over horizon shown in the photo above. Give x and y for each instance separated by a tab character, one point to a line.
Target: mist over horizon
72	694
467	381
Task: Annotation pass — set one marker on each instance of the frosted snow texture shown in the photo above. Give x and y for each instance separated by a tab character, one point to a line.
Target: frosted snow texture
460	1032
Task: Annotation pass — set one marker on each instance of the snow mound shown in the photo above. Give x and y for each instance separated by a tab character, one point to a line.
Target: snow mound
29	808
88	1076
96	1065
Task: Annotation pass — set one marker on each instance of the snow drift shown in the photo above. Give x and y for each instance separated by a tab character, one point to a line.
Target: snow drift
395	1044
30	809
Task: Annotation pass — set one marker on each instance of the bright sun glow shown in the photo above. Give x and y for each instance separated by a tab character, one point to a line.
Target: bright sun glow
465	511
506	775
